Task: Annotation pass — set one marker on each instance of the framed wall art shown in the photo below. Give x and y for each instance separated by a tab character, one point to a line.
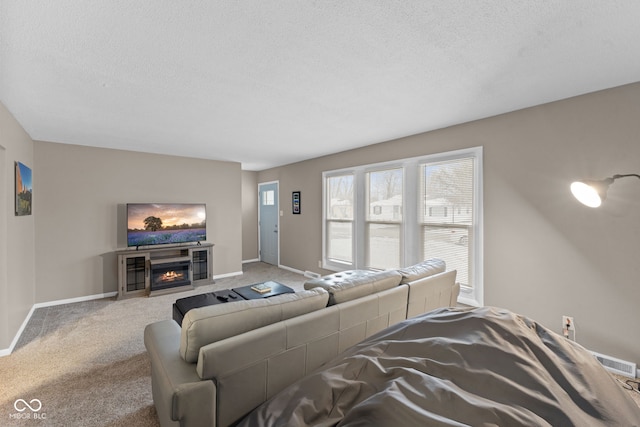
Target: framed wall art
295	202
24	190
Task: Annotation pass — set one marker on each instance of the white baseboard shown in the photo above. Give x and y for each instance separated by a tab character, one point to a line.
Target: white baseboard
247	261
8	351
294	270
72	300
222	276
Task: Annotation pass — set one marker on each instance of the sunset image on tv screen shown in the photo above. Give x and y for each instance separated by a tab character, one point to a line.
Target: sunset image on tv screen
162	223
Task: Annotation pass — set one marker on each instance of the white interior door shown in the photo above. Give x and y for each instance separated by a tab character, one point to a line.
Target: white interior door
268	223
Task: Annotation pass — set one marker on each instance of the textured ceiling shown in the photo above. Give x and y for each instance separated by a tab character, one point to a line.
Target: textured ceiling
267	83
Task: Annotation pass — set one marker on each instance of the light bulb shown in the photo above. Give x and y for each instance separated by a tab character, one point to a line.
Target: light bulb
586	194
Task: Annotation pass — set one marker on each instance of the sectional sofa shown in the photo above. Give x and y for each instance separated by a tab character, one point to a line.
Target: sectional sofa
227	359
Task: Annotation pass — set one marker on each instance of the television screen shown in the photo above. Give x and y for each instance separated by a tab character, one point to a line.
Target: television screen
165	223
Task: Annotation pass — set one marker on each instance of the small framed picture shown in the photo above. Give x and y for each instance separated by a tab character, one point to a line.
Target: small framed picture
24	190
295	202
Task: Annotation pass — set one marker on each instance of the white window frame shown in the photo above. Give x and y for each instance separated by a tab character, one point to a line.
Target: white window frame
410	240
327	263
363	217
469	295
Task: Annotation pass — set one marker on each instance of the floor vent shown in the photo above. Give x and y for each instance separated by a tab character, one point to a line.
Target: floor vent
311	275
617	366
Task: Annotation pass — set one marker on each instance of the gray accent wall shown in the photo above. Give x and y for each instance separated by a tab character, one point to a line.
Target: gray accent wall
545	255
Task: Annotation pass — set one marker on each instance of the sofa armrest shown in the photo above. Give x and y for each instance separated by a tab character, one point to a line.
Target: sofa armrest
429	293
454	295
180	396
194	404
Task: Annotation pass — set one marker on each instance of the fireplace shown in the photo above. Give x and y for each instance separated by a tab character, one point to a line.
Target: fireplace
170	274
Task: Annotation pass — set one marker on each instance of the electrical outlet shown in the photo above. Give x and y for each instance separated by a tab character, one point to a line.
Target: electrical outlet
567	323
568	328
319	263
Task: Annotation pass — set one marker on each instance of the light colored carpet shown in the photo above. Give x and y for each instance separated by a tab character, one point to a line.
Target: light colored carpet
86	362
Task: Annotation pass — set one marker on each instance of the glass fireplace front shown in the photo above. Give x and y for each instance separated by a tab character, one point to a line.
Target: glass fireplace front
170	275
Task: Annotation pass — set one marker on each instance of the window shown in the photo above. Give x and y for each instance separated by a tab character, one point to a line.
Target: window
384	219
447	187
396	214
339	218
268	198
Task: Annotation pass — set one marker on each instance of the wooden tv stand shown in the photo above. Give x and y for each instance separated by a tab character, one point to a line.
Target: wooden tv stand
161	270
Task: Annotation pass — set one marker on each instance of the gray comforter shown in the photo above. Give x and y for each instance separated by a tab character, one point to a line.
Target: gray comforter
454	367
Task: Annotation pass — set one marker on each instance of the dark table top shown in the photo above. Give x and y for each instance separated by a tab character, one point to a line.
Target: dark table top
276	289
202	300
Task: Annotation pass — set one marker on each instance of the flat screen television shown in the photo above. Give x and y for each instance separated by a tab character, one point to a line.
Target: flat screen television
165	223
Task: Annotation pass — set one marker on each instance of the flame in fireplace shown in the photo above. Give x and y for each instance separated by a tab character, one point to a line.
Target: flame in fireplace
170	276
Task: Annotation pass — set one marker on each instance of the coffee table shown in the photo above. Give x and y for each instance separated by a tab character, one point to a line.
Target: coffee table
276	289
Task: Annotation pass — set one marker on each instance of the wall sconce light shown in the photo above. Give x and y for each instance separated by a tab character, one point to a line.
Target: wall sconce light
593	193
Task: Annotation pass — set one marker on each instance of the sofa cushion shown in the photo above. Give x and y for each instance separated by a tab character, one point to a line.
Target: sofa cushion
424	269
205	325
352	284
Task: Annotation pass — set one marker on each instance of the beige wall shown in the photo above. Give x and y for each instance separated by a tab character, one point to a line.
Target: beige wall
79	206
545	255
249	215
17	241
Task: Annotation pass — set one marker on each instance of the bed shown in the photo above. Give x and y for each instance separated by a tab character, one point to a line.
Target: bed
453	367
